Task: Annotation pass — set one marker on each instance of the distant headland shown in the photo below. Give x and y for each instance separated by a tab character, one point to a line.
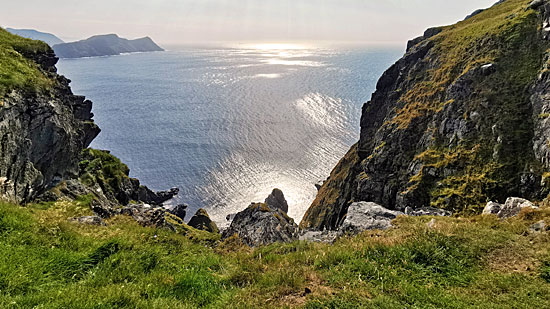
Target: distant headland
104	45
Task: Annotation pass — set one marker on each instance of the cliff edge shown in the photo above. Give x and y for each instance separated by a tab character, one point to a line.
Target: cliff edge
462	118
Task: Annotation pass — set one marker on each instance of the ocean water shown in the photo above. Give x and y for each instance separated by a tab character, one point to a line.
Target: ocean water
227	125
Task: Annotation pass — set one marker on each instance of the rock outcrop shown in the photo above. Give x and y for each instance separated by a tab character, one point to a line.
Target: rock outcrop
461	119
179	211
43	130
276	200
201	221
261	225
364	216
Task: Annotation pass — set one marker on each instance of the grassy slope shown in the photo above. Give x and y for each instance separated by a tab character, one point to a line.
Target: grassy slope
16	71
478	262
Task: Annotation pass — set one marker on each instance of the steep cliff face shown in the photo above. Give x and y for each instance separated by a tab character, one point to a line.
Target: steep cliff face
461	119
43	125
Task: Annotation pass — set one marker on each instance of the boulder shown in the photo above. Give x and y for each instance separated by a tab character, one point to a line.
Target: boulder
492	208
201	221
276	200
513	206
261	225
363	216
179	211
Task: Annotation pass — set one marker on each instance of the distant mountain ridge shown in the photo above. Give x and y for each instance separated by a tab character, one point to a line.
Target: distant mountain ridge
105	45
48	38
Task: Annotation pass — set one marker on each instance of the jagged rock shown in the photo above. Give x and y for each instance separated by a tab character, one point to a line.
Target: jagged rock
492	208
276	200
90	220
42	132
179	211
201	221
513	206
538	227
260	225
364	216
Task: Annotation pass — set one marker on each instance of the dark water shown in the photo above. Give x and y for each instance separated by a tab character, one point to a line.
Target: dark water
228	125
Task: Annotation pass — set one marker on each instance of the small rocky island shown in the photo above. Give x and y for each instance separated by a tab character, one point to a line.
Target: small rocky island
105	45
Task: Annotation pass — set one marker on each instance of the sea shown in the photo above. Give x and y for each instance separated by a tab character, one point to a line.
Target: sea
228	124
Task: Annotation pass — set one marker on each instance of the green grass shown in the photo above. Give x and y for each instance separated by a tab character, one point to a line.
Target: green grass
50	262
16	70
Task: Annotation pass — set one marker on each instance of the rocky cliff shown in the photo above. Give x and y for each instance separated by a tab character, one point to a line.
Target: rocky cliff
43	125
44	132
462	118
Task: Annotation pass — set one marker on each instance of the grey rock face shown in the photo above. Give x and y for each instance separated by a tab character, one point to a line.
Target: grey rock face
201	221
260	225
364	216
41	135
276	200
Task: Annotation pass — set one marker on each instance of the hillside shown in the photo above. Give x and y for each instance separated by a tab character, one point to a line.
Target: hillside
460	120
104	45
47	38
50	261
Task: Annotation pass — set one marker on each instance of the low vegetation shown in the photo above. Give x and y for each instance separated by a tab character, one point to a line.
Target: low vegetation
50	262
17	71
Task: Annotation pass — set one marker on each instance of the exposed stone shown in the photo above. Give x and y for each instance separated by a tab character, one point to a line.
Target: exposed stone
539	227
179	211
90	220
513	206
326	236
260	225
201	221
363	216
276	200
427	211
492	208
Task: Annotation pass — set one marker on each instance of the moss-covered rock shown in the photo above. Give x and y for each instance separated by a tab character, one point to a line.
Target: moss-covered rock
201	221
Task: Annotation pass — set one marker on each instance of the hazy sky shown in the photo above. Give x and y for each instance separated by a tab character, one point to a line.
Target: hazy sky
201	21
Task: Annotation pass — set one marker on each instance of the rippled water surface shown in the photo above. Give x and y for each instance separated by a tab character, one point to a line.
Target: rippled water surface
227	125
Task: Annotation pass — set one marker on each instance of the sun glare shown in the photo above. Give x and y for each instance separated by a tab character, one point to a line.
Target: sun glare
276	46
